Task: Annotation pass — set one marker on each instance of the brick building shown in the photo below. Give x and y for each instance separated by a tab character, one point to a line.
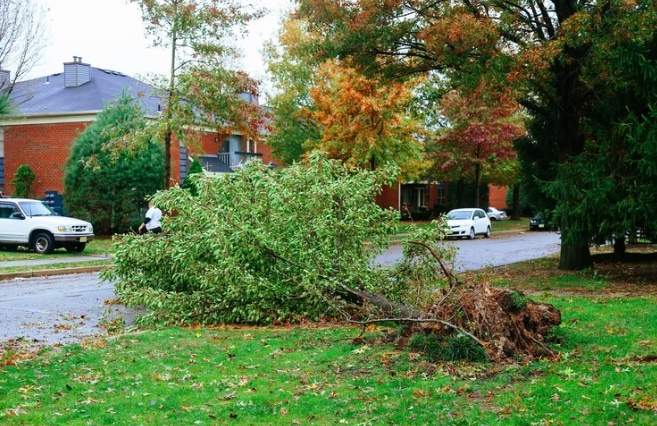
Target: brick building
50	112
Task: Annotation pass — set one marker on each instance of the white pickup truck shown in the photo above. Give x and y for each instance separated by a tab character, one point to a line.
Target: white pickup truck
31	223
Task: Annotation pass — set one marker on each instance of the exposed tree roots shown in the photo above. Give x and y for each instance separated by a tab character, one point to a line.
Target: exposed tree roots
506	324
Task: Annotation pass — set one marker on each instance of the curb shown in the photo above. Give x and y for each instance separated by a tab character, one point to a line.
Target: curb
51	272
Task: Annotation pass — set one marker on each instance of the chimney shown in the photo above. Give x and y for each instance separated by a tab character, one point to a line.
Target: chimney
76	73
5	79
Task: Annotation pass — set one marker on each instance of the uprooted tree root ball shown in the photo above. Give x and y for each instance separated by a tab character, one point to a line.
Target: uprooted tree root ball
478	322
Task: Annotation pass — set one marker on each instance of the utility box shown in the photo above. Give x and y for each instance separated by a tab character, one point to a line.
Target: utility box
55	201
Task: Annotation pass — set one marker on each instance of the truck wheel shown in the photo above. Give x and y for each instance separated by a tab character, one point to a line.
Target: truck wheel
76	248
43	243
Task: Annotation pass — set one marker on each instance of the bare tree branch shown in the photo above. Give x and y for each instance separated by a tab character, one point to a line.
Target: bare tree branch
21	38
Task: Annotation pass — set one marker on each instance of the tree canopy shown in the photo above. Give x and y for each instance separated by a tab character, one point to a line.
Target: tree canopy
201	88
560	60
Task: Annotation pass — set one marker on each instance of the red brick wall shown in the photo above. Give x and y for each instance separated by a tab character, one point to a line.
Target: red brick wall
497	196
389	197
43	147
46	147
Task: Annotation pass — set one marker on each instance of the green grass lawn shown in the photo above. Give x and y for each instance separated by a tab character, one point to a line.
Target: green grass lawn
521	224
305	375
54	266
98	246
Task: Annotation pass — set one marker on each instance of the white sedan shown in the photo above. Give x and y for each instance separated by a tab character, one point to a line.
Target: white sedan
468	223
495	214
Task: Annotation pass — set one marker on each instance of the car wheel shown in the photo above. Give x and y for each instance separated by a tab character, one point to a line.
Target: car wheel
472	234
43	243
76	248
488	233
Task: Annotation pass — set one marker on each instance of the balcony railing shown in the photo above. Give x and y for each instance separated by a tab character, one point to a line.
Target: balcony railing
236	159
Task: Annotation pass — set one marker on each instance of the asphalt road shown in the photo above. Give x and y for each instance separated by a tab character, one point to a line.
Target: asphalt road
64	309
500	250
51	310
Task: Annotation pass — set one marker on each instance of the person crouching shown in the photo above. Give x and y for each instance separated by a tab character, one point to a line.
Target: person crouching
152	221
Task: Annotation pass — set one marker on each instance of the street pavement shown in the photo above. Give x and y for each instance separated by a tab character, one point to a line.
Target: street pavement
67	308
60	309
500	250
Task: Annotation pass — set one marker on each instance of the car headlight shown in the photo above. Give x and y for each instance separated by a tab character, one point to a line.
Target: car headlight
64	229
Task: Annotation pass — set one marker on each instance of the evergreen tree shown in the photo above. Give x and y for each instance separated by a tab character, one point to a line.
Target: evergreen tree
108	186
23	180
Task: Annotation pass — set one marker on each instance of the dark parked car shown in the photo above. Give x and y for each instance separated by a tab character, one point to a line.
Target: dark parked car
539	223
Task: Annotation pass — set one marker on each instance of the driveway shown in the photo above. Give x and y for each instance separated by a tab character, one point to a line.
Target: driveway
66	308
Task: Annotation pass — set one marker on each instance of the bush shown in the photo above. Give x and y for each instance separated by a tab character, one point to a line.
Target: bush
22	181
259	246
105	183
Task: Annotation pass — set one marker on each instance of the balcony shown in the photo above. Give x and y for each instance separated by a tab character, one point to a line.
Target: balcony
226	162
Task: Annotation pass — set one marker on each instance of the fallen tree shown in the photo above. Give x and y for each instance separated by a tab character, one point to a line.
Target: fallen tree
265	246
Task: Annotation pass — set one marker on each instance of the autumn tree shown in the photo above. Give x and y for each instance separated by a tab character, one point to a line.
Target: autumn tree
198	35
478	142
293	71
218	99
364	123
540	49
21	39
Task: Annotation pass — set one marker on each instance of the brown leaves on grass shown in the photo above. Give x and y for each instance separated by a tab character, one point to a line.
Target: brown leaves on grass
13	352
644	403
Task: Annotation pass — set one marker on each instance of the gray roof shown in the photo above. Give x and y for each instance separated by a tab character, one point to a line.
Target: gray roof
49	95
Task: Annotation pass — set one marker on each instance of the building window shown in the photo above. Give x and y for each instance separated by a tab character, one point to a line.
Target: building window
421	196
442	193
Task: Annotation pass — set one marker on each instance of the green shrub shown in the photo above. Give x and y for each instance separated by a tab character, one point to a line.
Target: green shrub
22	181
518	301
260	245
105	183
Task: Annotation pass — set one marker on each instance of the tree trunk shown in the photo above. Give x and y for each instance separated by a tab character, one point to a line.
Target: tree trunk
575	256
167	157
170	101
477	191
619	247
515	215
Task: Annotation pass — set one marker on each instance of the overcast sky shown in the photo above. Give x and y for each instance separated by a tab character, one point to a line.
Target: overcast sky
110	34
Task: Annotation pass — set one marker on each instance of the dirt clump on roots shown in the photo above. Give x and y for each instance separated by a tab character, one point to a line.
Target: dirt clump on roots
506	324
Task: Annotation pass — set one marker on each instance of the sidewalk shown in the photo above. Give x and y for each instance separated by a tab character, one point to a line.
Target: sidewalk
52	261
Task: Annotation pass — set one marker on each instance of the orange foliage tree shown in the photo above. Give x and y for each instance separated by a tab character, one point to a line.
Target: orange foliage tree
364	123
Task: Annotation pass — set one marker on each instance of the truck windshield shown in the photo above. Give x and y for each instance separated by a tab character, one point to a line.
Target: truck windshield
35	208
